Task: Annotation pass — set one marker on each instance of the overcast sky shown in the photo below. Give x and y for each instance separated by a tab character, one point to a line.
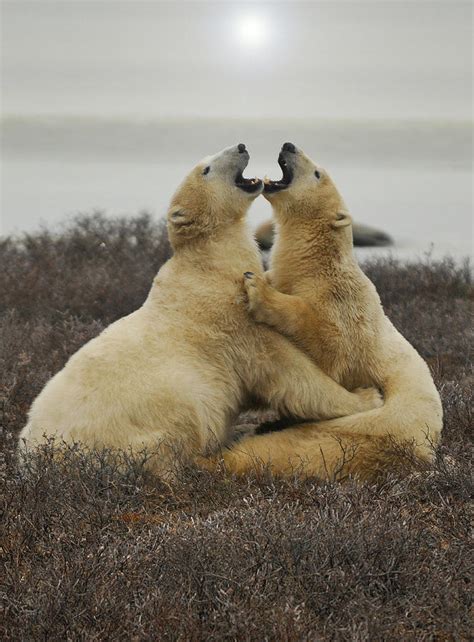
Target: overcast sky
315	59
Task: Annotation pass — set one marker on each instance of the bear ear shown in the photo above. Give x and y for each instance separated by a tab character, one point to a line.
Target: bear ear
179	218
342	220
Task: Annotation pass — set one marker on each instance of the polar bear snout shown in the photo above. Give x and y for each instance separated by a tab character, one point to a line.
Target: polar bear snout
287	159
229	165
288	147
232	162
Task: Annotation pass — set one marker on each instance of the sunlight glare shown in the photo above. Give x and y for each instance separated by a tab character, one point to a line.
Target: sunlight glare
252	31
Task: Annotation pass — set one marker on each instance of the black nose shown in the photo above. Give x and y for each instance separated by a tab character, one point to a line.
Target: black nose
288	147
241	148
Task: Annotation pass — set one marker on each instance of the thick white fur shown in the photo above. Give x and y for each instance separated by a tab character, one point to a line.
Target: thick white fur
323	301
172	376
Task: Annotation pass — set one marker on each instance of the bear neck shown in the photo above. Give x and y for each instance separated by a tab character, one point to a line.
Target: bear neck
232	242
312	246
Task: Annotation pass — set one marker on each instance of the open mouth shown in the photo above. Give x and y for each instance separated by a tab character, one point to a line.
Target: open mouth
247	184
270	187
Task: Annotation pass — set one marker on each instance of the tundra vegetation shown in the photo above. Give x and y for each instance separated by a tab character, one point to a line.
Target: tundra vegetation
94	549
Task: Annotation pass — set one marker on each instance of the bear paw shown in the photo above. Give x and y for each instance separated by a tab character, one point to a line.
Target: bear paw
370	398
256	288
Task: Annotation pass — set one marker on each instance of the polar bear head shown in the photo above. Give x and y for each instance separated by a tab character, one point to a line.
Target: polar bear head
212	196
306	193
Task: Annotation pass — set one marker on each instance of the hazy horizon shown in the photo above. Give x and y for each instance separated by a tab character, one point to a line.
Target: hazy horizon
106	105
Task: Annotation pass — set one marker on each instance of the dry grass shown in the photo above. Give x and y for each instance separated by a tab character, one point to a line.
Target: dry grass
89	552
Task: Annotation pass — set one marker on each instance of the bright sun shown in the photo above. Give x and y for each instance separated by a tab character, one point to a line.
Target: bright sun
252	31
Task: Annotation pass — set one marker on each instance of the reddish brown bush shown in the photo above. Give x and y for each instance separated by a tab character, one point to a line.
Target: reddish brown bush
89	552
94	268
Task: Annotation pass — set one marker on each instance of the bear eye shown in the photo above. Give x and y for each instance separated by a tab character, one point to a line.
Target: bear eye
206	171
317	174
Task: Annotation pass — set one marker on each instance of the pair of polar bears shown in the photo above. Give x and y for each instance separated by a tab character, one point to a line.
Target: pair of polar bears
173	376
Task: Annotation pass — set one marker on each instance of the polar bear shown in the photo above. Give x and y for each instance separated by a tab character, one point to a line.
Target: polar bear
172	376
316	295
363	236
